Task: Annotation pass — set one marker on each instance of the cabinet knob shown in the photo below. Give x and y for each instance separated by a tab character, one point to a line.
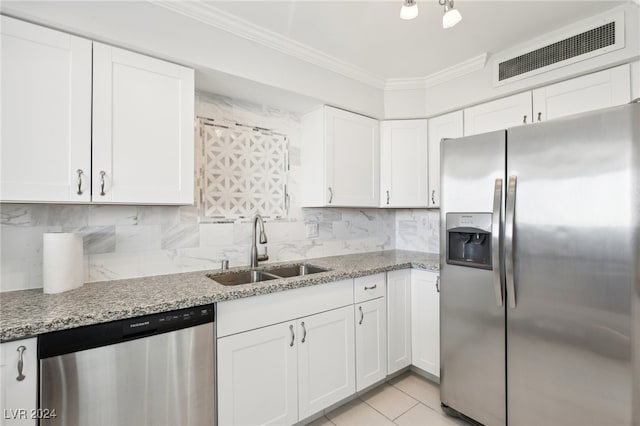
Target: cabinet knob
438	283
293	335
330	195
361	315
524	120
388	196
79	172
433	197
304	333
21	376
539	116
102	173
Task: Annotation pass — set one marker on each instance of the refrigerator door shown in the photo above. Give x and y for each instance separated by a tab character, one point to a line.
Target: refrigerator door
472	331
574	254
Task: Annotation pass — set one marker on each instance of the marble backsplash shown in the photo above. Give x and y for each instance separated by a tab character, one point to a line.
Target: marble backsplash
135	241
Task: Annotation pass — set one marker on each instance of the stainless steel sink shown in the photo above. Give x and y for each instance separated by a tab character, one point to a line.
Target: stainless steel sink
295	270
243	277
254	276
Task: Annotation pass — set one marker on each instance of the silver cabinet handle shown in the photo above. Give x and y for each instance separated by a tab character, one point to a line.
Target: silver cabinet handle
102	173
79	172
293	335
21	376
539	116
304	332
361	315
524	120
496	224
508	241
330	195
438	283
387	197
433	197
371	288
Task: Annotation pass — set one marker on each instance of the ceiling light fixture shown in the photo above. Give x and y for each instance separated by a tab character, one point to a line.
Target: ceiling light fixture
409	9
451	15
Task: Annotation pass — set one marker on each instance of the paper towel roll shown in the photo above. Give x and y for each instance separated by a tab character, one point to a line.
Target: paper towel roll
62	267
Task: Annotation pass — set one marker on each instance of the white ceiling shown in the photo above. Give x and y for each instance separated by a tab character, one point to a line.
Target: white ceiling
371	36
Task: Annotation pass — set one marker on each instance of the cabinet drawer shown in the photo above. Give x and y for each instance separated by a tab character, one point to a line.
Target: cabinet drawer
370	287
240	315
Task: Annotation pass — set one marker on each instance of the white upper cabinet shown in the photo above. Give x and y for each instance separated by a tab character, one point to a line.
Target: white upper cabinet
499	114
46	115
340	159
143	137
404	163
587	93
445	126
101	126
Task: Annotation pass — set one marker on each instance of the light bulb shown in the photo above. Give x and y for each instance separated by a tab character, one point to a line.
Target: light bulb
451	18
409	10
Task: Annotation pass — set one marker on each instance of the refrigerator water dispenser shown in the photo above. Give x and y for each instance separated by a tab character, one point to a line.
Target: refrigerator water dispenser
469	239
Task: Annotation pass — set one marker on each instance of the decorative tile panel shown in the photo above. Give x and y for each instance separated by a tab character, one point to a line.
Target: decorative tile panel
244	172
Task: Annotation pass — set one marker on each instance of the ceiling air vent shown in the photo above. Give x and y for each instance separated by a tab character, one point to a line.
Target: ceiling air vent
582	45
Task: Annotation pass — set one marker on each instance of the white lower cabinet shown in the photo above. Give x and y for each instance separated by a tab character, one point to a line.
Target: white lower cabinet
326	360
257	377
286	372
398	320
425	321
371	342
18	385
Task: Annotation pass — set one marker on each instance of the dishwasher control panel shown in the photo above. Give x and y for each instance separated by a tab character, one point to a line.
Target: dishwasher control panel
113	332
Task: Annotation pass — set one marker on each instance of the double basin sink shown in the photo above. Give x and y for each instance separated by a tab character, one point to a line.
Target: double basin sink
258	275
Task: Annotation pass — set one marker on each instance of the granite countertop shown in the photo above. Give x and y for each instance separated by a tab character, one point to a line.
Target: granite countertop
27	313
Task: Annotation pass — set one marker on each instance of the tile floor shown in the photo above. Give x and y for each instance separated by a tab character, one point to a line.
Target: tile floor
407	400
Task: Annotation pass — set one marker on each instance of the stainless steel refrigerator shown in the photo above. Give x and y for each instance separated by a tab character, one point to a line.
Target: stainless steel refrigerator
540	280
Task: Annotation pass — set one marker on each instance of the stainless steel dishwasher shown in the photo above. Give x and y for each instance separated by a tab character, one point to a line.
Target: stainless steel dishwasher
151	370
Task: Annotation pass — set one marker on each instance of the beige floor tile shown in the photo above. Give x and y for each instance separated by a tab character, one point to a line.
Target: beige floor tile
421	415
389	401
358	413
419	388
322	421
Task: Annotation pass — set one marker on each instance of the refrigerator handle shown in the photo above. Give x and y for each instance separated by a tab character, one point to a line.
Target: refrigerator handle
496	220
508	241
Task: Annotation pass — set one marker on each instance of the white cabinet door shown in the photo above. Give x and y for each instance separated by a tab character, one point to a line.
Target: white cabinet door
445	126
499	114
257	377
425	321
404	163
398	319
371	342
143	137
18	397
326	360
587	93
46	115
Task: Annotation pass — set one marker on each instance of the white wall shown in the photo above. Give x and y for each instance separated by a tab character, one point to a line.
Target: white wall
172	36
477	87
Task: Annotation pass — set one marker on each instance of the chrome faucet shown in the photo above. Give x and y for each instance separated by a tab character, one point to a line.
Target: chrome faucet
255	257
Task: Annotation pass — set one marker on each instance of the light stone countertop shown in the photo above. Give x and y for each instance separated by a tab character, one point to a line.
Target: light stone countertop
27	313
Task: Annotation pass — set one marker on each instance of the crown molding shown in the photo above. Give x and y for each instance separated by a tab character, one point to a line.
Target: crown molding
470	65
210	15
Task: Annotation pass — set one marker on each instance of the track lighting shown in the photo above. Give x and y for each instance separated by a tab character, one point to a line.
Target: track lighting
451	15
409	9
